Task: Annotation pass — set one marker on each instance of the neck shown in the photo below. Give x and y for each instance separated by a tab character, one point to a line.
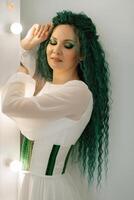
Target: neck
60	78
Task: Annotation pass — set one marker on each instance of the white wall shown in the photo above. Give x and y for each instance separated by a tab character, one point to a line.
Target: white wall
9	137
114	21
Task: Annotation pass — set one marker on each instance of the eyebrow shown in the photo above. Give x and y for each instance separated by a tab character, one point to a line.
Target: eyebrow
66	40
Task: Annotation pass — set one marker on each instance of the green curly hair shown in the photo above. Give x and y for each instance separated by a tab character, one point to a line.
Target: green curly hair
91	149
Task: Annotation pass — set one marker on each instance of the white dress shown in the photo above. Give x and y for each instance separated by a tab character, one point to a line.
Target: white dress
54	119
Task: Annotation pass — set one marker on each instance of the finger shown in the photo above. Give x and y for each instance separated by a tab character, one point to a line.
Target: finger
36	29
46	30
31	31
43	30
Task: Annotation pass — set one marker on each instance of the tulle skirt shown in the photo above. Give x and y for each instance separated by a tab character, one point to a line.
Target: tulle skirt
56	187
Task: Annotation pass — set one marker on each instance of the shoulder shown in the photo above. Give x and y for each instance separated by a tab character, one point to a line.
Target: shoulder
80	97
78	86
79	91
74	91
77	83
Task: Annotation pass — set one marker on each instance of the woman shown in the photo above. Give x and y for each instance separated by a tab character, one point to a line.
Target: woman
66	112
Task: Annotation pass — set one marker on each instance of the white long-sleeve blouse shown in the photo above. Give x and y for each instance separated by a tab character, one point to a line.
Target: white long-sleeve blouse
54	102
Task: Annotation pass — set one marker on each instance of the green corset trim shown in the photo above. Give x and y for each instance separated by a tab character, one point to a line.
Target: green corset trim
67	157
52	159
26	153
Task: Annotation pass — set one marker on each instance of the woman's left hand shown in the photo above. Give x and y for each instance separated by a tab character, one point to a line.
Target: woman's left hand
23	69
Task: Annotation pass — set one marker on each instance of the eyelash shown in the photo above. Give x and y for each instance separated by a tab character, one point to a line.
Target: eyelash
67	46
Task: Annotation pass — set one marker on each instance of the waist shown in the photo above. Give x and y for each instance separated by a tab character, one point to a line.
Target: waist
39	175
51	160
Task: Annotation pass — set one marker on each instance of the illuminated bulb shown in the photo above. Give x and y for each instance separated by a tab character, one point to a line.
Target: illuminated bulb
16	28
16	166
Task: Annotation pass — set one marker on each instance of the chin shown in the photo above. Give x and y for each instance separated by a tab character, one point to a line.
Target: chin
55	65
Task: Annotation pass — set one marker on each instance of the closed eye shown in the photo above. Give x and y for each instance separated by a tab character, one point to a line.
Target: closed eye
52	42
69	45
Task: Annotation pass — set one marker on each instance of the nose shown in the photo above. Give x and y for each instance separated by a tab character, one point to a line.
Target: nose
57	49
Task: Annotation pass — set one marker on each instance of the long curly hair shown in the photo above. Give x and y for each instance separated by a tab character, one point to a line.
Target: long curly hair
91	149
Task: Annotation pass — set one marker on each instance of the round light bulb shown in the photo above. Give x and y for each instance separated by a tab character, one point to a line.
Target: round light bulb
16	28
16	166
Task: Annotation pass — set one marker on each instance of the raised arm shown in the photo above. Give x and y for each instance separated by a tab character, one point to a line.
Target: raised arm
70	101
29	44
36	34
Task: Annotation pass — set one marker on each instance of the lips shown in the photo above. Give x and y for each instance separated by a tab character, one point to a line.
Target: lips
56	59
